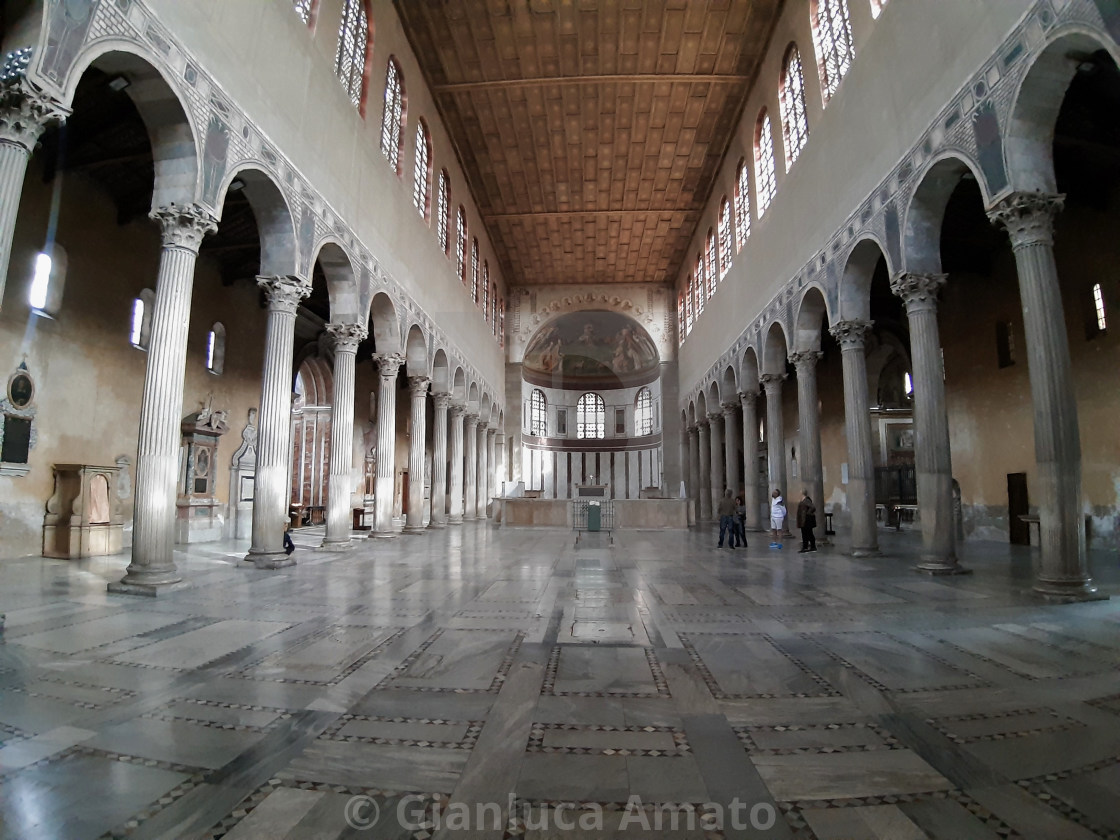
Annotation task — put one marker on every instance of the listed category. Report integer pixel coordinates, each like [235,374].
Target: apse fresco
[590,347]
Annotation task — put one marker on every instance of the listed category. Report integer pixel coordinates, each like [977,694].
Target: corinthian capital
[772,382]
[850,334]
[283,293]
[347,337]
[25,111]
[1028,218]
[441,400]
[918,291]
[418,386]
[184,225]
[729,408]
[470,419]
[388,364]
[805,361]
[748,397]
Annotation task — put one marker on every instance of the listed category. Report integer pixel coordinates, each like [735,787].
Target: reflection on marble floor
[480,683]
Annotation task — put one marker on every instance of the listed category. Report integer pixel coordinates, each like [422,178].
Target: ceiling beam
[544,214]
[619,78]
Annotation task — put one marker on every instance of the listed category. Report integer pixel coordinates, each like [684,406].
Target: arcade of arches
[317,316]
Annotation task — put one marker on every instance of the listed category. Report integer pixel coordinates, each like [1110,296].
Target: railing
[583,519]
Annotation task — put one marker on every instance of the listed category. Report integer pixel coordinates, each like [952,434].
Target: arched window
[538,414]
[591,417]
[765,176]
[422,172]
[216,349]
[443,211]
[502,323]
[461,244]
[710,268]
[305,9]
[1100,317]
[680,318]
[689,294]
[140,327]
[392,118]
[494,305]
[700,287]
[474,270]
[877,7]
[724,238]
[795,127]
[643,413]
[832,37]
[742,206]
[486,292]
[353,51]
[47,281]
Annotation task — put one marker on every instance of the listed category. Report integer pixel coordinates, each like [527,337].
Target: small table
[360,519]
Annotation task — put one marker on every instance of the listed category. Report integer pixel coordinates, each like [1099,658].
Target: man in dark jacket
[807,521]
[726,515]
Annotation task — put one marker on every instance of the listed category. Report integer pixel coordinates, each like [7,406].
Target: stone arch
[416,352]
[1029,147]
[690,414]
[855,284]
[748,370]
[472,398]
[174,141]
[275,225]
[713,397]
[701,407]
[728,387]
[484,410]
[921,237]
[775,349]
[812,313]
[441,381]
[341,285]
[385,325]
[459,385]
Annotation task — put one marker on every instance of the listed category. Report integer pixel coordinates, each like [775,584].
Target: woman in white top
[777,518]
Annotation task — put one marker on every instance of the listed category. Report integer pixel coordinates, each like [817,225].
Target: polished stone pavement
[807,696]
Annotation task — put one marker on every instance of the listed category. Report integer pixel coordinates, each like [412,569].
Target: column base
[1069,592]
[437,524]
[336,545]
[455,519]
[149,589]
[269,560]
[938,566]
[383,535]
[414,530]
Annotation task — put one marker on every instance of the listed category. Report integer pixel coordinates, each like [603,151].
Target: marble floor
[475,682]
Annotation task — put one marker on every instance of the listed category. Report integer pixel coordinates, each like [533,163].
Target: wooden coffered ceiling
[590,130]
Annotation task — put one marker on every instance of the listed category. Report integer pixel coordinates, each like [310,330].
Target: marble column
[500,464]
[346,337]
[932,456]
[694,470]
[439,461]
[1062,571]
[809,419]
[775,437]
[685,467]
[715,441]
[470,467]
[417,447]
[271,492]
[491,464]
[705,472]
[731,449]
[455,506]
[749,401]
[857,428]
[481,480]
[161,406]
[385,488]
[24,112]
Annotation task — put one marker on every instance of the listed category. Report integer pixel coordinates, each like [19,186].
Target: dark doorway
[404,493]
[1018,506]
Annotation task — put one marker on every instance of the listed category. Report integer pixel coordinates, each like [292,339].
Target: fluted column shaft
[417,447]
[438,518]
[751,503]
[500,464]
[1063,568]
[470,467]
[694,469]
[685,467]
[161,407]
[715,436]
[481,480]
[705,472]
[857,429]
[346,338]
[809,419]
[932,455]
[491,463]
[775,435]
[24,113]
[387,366]
[271,493]
[456,506]
[730,442]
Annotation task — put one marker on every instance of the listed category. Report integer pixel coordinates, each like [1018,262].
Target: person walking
[777,518]
[740,521]
[807,521]
[726,514]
